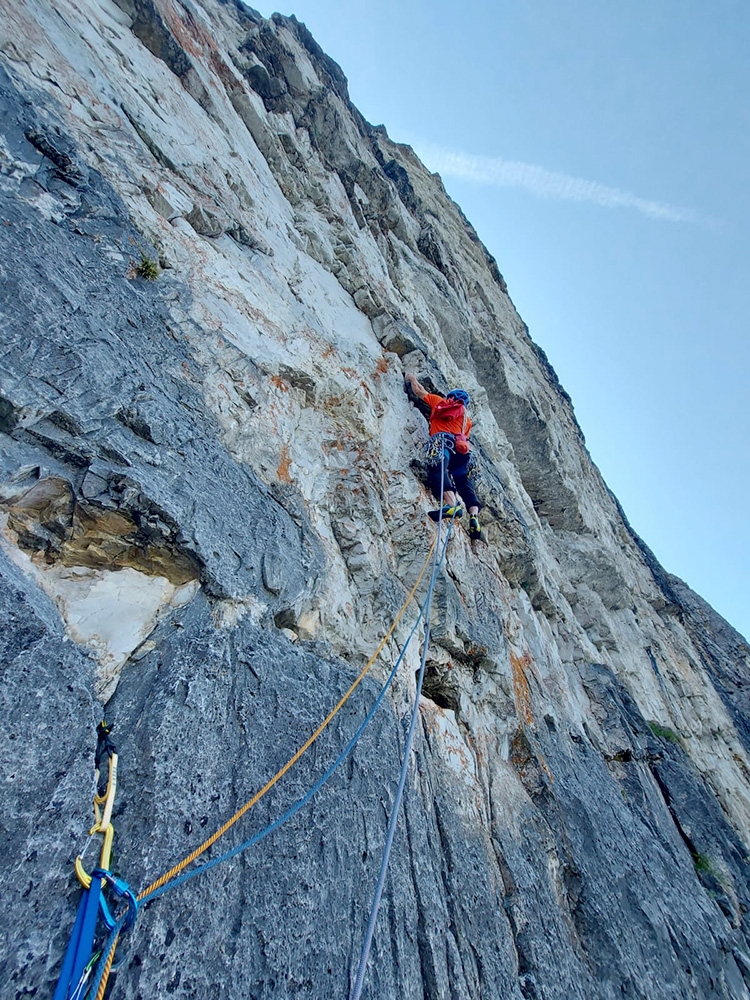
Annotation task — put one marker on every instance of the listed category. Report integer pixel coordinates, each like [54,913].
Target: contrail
[546,183]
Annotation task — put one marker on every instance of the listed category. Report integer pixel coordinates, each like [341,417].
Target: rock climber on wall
[450,426]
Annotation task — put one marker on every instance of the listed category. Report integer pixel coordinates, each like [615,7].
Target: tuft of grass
[147,268]
[704,867]
[664,732]
[702,863]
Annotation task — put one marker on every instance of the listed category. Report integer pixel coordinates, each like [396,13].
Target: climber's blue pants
[460,472]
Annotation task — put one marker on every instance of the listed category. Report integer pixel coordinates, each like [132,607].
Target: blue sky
[601,150]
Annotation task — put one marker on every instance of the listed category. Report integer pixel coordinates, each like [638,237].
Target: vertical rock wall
[214,275]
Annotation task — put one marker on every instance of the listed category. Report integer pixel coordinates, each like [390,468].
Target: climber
[449,441]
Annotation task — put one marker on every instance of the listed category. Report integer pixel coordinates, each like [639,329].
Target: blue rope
[106,948]
[262,834]
[424,610]
[375,907]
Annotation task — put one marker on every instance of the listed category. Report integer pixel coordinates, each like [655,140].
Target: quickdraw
[88,962]
[81,955]
[103,817]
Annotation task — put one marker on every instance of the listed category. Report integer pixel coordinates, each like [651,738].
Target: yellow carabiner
[108,799]
[103,824]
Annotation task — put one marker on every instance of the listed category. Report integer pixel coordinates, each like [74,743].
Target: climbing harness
[436,448]
[85,971]
[375,906]
[439,448]
[81,956]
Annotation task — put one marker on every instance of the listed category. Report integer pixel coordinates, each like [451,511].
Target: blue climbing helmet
[461,395]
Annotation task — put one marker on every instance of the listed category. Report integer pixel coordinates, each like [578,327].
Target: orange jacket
[452,423]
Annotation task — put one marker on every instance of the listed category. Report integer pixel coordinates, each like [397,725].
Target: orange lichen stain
[186,34]
[476,652]
[282,472]
[543,763]
[521,691]
[224,73]
[430,711]
[453,744]
[349,372]
[381,367]
[328,351]
[477,750]
[280,383]
[459,750]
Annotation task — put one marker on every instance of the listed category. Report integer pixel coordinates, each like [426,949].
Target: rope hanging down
[103,959]
[375,907]
[148,895]
[296,756]
[300,803]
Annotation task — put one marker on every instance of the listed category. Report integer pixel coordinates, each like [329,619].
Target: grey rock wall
[214,276]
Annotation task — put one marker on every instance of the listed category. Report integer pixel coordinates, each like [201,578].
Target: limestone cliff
[214,276]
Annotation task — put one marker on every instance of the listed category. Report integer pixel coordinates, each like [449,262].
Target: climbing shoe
[447,513]
[475,532]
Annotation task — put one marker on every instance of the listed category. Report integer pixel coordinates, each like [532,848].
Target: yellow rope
[107,968]
[292,760]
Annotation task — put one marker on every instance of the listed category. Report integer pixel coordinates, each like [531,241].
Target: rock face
[214,276]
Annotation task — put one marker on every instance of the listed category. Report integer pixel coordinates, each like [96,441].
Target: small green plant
[664,732]
[148,268]
[704,866]
[702,863]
